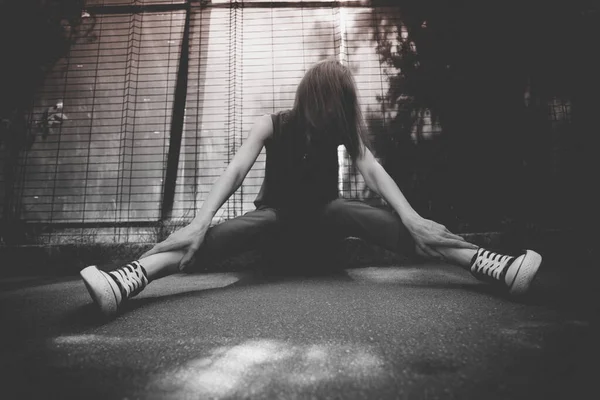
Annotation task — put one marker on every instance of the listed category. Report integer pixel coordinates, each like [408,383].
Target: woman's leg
[456,256]
[161,264]
[109,289]
[227,239]
[388,224]
[344,218]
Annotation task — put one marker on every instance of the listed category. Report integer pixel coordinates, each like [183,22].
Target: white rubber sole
[525,273]
[100,289]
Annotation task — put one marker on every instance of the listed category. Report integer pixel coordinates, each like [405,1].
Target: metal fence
[129,130]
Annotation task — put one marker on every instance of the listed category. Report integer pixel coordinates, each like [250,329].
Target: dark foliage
[471,64]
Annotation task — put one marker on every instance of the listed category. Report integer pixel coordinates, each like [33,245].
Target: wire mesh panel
[130,2]
[105,161]
[372,79]
[238,71]
[275,60]
[204,152]
[103,120]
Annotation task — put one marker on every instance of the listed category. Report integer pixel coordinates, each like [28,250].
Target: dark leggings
[304,233]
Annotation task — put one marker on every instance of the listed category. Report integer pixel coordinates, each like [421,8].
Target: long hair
[327,104]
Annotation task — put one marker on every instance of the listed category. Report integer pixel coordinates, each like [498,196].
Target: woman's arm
[378,180]
[191,236]
[236,171]
[427,234]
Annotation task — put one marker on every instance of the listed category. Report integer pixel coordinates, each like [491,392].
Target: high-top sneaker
[110,289]
[515,273]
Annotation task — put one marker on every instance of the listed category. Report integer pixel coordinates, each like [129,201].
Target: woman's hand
[188,239]
[429,236]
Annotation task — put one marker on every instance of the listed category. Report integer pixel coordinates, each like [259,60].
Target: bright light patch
[255,365]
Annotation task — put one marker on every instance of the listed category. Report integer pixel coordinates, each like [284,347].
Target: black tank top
[300,174]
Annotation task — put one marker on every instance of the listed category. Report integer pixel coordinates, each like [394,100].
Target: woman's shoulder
[283,116]
[281,119]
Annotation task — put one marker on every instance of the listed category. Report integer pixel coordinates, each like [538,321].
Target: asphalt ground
[415,331]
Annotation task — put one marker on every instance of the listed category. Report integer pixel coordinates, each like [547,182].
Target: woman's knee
[336,211]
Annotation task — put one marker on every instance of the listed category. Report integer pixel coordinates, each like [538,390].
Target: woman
[299,200]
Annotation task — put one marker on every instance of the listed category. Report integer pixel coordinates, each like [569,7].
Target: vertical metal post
[177,120]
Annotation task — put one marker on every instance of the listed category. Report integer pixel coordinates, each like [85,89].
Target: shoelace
[131,278]
[490,264]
